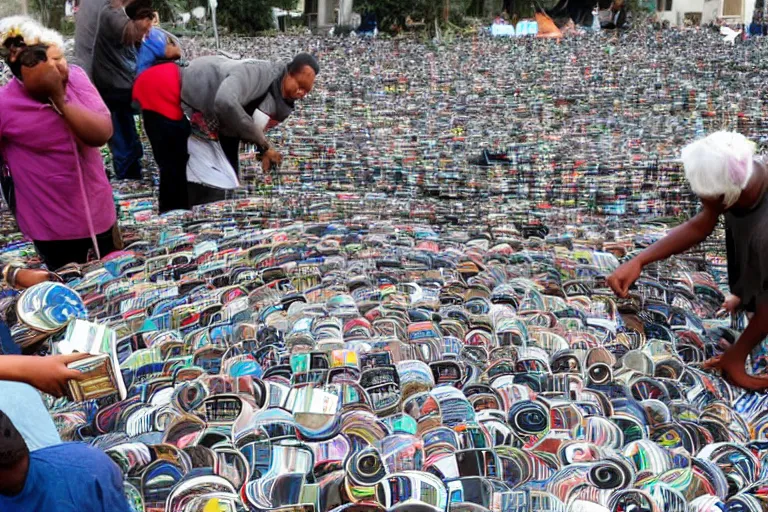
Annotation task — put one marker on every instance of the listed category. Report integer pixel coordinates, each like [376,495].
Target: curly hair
[21,30]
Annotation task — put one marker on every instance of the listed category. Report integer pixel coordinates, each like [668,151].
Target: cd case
[100,379]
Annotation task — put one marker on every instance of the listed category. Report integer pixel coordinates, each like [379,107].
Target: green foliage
[50,12]
[391,14]
[641,6]
[245,16]
[287,5]
[68,26]
[250,16]
[170,9]
[238,16]
[486,9]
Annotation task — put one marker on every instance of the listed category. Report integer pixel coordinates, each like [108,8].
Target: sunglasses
[27,56]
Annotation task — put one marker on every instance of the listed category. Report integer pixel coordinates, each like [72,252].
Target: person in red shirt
[157,90]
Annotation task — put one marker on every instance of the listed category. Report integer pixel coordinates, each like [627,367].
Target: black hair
[25,55]
[13,449]
[301,61]
[139,9]
[144,14]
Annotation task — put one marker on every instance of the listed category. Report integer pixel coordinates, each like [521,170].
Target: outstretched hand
[624,277]
[50,374]
[271,157]
[732,368]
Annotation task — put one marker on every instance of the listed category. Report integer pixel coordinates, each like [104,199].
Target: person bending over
[731,181]
[229,101]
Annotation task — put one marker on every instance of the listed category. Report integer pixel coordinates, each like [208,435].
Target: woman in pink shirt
[52,123]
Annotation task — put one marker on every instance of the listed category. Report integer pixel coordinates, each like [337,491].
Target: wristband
[12,274]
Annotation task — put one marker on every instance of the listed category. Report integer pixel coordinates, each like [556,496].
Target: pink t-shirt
[37,146]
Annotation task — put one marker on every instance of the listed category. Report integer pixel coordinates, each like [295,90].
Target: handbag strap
[84,195]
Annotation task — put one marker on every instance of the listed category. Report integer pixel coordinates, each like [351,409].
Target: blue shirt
[152,50]
[25,408]
[70,477]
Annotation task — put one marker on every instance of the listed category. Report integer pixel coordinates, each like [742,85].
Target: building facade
[702,12]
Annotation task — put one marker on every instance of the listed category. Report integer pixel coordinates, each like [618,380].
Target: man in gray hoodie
[233,101]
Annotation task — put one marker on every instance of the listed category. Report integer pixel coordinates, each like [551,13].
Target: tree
[250,16]
[393,13]
[50,11]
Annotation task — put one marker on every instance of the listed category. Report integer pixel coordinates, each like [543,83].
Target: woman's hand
[43,82]
[731,303]
[49,374]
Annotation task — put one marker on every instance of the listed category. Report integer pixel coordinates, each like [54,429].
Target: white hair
[33,32]
[719,165]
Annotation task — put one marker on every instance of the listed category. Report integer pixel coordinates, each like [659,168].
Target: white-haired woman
[52,123]
[730,180]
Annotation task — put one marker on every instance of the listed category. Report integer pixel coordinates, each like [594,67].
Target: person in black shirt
[730,181]
[122,26]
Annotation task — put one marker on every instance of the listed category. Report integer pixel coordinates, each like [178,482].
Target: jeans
[7,345]
[125,144]
[169,145]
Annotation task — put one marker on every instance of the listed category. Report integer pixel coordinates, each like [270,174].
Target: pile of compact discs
[412,315]
[247,362]
[593,122]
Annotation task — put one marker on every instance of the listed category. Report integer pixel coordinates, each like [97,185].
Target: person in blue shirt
[158,46]
[69,477]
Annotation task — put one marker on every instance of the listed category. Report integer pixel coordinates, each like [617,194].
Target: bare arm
[135,30]
[756,331]
[678,240]
[48,374]
[732,361]
[684,236]
[92,128]
[115,24]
